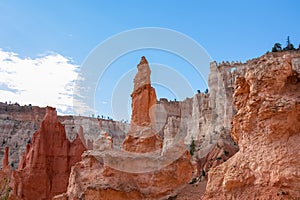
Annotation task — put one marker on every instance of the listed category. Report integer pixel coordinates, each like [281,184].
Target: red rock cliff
[267,129]
[45,166]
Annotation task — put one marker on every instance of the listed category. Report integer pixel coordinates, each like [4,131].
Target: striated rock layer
[45,166]
[17,125]
[267,130]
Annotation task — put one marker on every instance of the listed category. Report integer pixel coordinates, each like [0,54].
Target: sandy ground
[192,191]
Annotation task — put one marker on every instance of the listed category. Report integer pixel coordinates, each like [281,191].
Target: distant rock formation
[142,136]
[267,130]
[19,123]
[45,166]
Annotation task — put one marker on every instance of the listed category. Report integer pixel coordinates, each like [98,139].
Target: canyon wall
[18,123]
[205,119]
[267,130]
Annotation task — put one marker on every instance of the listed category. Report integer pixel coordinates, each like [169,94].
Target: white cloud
[46,80]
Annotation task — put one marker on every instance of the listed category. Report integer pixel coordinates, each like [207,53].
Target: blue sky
[69,30]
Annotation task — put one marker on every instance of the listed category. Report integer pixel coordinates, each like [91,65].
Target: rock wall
[267,130]
[92,128]
[18,123]
[205,118]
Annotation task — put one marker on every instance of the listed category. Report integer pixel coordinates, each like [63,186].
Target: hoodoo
[142,136]
[46,165]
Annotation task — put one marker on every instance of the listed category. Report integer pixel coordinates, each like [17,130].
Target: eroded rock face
[90,129]
[267,129]
[142,136]
[91,179]
[104,142]
[215,155]
[45,166]
[205,118]
[17,125]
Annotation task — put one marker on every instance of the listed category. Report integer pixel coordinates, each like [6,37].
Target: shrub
[192,147]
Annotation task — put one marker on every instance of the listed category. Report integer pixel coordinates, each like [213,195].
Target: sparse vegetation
[194,180]
[192,147]
[276,47]
[226,153]
[289,46]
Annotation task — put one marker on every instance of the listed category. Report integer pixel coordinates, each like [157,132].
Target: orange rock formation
[142,136]
[45,166]
[267,129]
[143,96]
